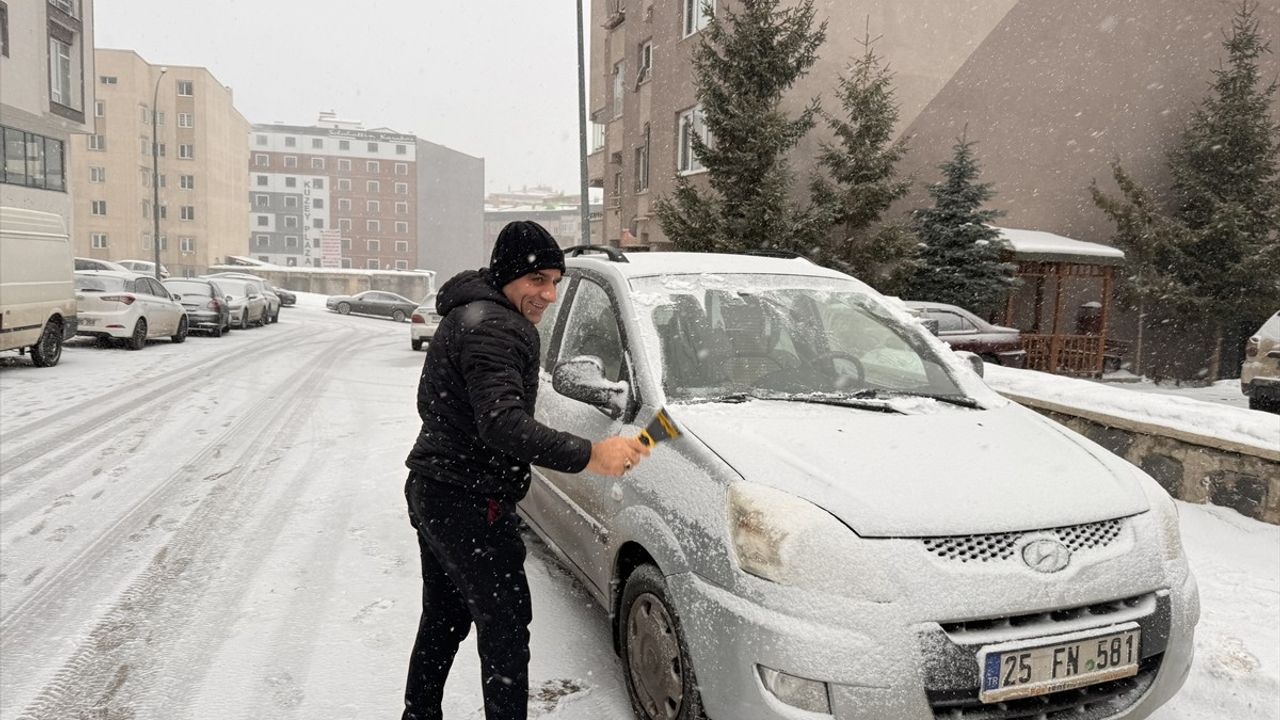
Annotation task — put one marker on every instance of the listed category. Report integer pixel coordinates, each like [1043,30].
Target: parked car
[963,330]
[37,300]
[205,303]
[126,306]
[247,304]
[423,322]
[1260,373]
[287,298]
[373,302]
[84,263]
[144,267]
[272,300]
[850,524]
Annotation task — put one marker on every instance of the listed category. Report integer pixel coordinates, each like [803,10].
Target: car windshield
[232,287]
[730,337]
[185,287]
[99,283]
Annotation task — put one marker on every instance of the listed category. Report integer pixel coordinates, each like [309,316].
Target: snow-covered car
[1260,373]
[963,330]
[247,304]
[205,303]
[84,263]
[423,322]
[287,298]
[114,305]
[850,524]
[144,267]
[373,302]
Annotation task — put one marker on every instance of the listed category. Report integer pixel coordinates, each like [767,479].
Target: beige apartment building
[46,94]
[203,187]
[1050,90]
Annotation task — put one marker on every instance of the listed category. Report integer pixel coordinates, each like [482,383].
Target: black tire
[138,339]
[244,319]
[103,341]
[48,349]
[397,315]
[263,318]
[652,644]
[183,329]
[276,317]
[344,308]
[416,343]
[216,332]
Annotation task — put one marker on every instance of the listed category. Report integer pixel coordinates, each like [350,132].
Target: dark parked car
[373,302]
[286,298]
[206,304]
[963,330]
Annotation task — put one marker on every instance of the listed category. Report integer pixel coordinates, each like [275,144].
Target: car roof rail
[614,254]
[775,253]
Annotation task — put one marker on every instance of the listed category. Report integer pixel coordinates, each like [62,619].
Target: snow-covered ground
[216,530]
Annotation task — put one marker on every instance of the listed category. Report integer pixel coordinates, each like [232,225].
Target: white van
[37,298]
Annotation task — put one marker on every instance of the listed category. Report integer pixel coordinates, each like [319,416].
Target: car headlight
[1164,512]
[780,537]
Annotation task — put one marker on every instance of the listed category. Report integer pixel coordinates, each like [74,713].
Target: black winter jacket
[476,397]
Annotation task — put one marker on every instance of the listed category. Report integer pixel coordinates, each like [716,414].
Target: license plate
[88,321]
[1010,671]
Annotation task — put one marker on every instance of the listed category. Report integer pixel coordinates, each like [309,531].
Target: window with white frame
[402,208]
[317,163]
[164,242]
[99,108]
[344,164]
[402,188]
[291,182]
[261,160]
[291,201]
[373,225]
[98,240]
[291,241]
[188,212]
[291,221]
[344,183]
[402,246]
[345,263]
[373,206]
[373,245]
[642,161]
[62,80]
[186,120]
[260,200]
[186,88]
[146,209]
[372,166]
[344,203]
[98,174]
[317,143]
[264,221]
[186,152]
[344,223]
[344,144]
[371,264]
[186,245]
[291,161]
[346,244]
[99,207]
[645,69]
[402,264]
[144,147]
[690,125]
[373,186]
[160,118]
[263,240]
[402,150]
[373,147]
[187,182]
[402,168]
[696,14]
[108,79]
[97,142]
[261,180]
[402,227]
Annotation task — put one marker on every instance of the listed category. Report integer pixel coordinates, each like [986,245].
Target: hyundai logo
[1046,556]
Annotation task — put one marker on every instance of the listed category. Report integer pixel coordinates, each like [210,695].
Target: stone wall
[413,285]
[1195,468]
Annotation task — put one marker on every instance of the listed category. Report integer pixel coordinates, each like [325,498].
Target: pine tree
[862,165]
[960,252]
[744,63]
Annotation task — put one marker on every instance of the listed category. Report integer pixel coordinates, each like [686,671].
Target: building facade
[1034,81]
[560,214]
[338,195]
[46,99]
[199,166]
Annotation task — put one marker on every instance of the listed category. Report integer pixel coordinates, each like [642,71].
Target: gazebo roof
[1039,246]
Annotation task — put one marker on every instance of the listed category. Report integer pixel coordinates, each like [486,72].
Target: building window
[186,120]
[99,207]
[264,221]
[146,209]
[344,203]
[615,198]
[373,206]
[97,142]
[32,160]
[188,212]
[645,65]
[642,162]
[317,163]
[373,186]
[291,201]
[317,143]
[261,160]
[373,147]
[160,118]
[402,264]
[689,126]
[290,141]
[260,139]
[187,182]
[346,244]
[317,223]
[291,241]
[344,144]
[100,108]
[98,240]
[373,245]
[291,182]
[164,241]
[344,224]
[186,245]
[108,79]
[260,200]
[696,16]
[291,161]
[345,262]
[402,150]
[318,183]
[317,203]
[262,180]
[185,88]
[291,221]
[371,264]
[402,168]
[402,227]
[372,166]
[402,208]
[373,226]
[402,246]
[62,89]
[402,188]
[263,240]
[186,152]
[344,183]
[144,146]
[344,165]
[162,182]
[99,174]
[619,86]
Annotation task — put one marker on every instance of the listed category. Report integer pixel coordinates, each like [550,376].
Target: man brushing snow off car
[470,466]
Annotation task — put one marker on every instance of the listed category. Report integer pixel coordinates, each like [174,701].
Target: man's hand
[613,456]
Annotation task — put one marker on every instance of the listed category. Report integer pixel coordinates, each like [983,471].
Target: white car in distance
[114,305]
[248,304]
[423,322]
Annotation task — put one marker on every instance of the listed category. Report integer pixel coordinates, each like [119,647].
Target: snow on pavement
[217,530]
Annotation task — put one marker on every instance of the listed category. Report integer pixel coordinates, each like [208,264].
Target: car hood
[940,470]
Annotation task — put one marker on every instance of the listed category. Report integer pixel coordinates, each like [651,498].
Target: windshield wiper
[960,400]
[845,401]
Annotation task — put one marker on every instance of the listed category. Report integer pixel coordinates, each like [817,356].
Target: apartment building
[46,97]
[202,187]
[1051,92]
[559,213]
[338,195]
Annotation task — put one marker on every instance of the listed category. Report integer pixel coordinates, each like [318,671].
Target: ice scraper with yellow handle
[659,429]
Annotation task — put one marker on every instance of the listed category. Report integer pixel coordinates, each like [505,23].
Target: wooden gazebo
[1070,271]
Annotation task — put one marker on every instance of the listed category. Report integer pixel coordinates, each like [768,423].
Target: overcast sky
[491,78]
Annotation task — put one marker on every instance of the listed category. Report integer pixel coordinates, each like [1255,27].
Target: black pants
[472,571]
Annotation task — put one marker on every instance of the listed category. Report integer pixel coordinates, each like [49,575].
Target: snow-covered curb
[1195,421]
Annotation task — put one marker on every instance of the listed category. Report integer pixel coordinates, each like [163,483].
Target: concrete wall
[450,210]
[414,286]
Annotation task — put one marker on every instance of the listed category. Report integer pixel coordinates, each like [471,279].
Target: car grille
[1001,546]
[1110,611]
[1092,702]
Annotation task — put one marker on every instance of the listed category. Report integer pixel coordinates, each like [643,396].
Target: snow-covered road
[216,530]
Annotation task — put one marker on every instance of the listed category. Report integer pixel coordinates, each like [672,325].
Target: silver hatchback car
[850,524]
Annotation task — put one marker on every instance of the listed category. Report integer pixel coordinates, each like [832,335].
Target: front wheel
[181,335]
[397,315]
[48,349]
[416,343]
[659,674]
[344,308]
[216,332]
[138,339]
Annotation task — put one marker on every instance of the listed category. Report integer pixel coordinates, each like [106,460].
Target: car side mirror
[582,378]
[975,362]
[228,298]
[175,296]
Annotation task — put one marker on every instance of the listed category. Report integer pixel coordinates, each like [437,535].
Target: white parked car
[144,267]
[423,322]
[115,305]
[84,263]
[248,304]
[852,525]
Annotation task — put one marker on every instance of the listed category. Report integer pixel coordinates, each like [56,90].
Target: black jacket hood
[466,287]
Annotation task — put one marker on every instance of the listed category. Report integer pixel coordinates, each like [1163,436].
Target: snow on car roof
[649,264]
[1040,245]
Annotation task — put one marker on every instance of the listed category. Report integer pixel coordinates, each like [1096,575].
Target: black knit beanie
[523,247]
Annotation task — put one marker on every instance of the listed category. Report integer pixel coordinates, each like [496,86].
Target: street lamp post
[155,174]
[585,210]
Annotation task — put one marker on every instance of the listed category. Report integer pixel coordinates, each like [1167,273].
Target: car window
[547,326]
[99,283]
[143,285]
[951,322]
[187,287]
[592,329]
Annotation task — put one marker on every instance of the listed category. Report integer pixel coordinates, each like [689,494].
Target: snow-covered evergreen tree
[744,63]
[960,254]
